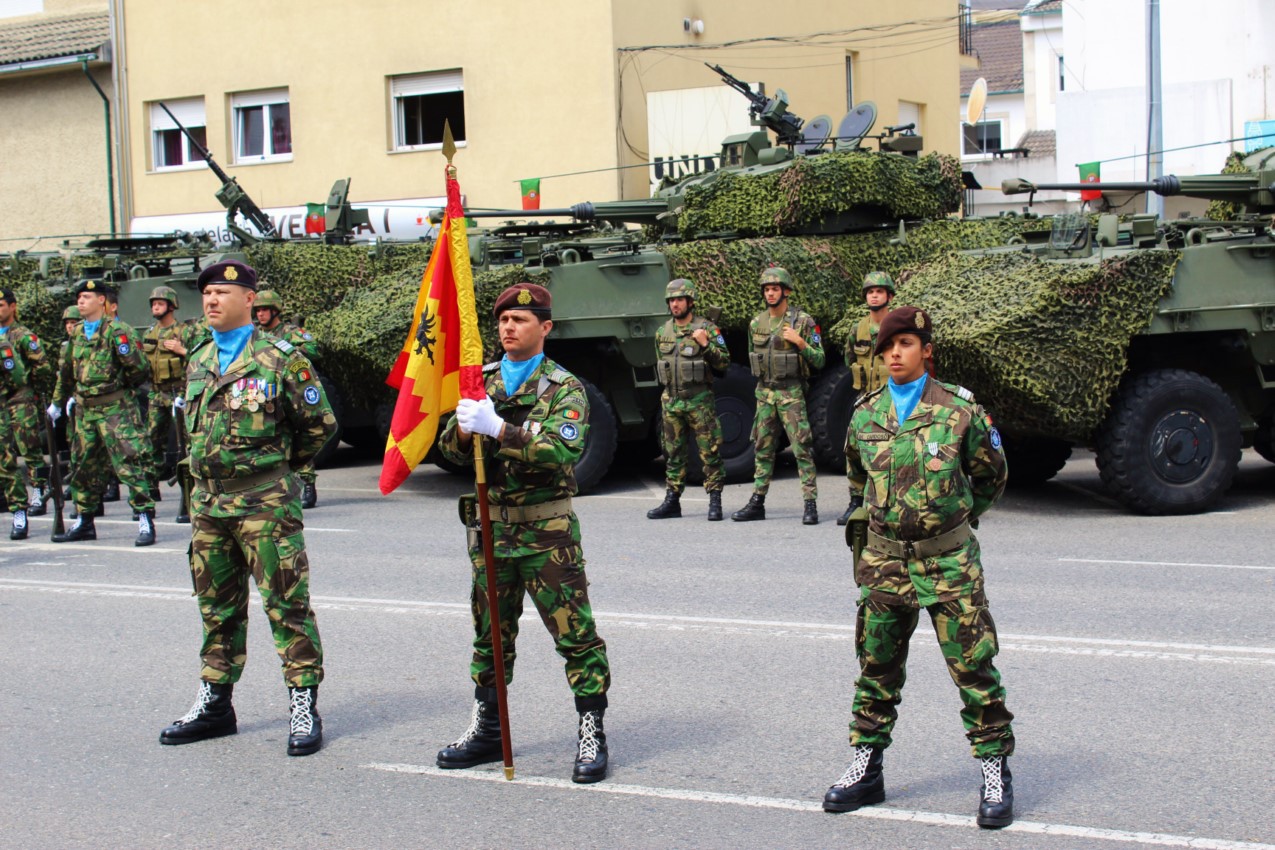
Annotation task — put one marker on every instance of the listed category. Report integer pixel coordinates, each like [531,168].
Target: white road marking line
[164,524]
[1167,564]
[869,812]
[1043,644]
[101,547]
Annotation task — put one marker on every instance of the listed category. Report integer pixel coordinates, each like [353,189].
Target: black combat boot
[715,506]
[156,496]
[211,716]
[845,517]
[996,806]
[19,531]
[145,528]
[82,530]
[39,502]
[591,754]
[112,492]
[480,743]
[755,509]
[309,495]
[811,515]
[671,506]
[305,729]
[861,785]
[182,518]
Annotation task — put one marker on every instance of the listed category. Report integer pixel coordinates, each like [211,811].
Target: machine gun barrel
[638,211]
[1243,188]
[231,194]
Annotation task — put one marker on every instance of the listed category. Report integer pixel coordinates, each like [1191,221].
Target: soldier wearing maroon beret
[533,422]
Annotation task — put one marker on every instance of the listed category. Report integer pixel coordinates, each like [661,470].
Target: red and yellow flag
[442,359]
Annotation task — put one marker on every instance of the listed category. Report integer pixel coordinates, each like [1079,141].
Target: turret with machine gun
[769,112]
[231,194]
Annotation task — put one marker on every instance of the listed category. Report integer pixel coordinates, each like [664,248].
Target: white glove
[70,406]
[479,417]
[179,404]
[54,412]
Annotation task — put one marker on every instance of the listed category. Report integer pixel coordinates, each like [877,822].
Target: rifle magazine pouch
[467,507]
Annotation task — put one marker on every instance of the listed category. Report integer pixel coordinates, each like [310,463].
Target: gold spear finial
[449,144]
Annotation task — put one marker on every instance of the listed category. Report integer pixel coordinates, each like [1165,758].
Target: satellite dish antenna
[815,134]
[857,124]
[977,102]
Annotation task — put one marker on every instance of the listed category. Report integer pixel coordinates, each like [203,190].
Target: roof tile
[999,48]
[50,36]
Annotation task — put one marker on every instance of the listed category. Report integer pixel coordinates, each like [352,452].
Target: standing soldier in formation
[70,318]
[533,434]
[105,365]
[690,348]
[926,462]
[867,368]
[165,344]
[783,348]
[255,414]
[13,378]
[268,314]
[22,409]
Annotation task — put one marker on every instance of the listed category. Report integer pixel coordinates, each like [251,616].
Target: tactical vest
[774,360]
[681,367]
[167,368]
[868,370]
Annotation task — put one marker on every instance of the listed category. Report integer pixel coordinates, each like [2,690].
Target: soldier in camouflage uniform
[70,319]
[268,314]
[867,368]
[784,346]
[533,433]
[165,343]
[926,463]
[254,415]
[22,409]
[13,378]
[689,349]
[105,365]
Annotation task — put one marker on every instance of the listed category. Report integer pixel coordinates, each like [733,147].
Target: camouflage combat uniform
[685,368]
[868,371]
[13,378]
[168,382]
[102,374]
[249,430]
[531,470]
[22,409]
[304,342]
[781,371]
[927,477]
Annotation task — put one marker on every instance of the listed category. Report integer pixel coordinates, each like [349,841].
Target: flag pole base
[509,773]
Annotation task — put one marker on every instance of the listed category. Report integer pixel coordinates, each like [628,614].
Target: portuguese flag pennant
[1090,172]
[531,194]
[316,218]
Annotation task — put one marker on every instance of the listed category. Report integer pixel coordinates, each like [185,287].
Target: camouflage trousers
[560,591]
[782,410]
[967,639]
[159,423]
[23,432]
[698,416]
[13,488]
[115,432]
[270,547]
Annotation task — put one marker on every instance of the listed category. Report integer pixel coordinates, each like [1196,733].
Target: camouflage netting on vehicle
[1041,344]
[1229,210]
[816,188]
[39,308]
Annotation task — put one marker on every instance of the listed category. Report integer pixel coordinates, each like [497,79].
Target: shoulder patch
[284,346]
[560,376]
[961,392]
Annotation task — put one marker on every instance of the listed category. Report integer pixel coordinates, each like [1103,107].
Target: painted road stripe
[162,524]
[869,812]
[1042,644]
[1167,564]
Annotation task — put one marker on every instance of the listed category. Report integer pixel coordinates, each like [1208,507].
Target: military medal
[236,395]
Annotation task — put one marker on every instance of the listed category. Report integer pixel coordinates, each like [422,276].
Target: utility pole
[1155,112]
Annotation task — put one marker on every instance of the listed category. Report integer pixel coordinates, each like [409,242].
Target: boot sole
[839,808]
[76,539]
[306,750]
[994,823]
[588,779]
[458,765]
[216,733]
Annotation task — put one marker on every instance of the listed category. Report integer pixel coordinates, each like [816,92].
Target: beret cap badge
[230,273]
[524,297]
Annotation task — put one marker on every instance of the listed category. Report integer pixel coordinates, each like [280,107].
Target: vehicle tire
[338,408]
[829,406]
[1170,444]
[599,445]
[1034,460]
[1264,440]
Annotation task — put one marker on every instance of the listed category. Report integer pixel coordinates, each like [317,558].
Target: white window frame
[415,85]
[266,100]
[999,122]
[191,113]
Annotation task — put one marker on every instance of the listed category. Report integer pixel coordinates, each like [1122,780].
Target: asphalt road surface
[1138,653]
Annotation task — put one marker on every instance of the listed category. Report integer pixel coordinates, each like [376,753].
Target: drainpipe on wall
[110,160]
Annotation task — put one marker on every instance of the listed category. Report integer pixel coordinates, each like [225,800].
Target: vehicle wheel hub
[1181,446]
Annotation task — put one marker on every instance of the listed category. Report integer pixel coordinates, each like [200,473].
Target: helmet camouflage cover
[880,279]
[778,275]
[680,288]
[165,293]
[268,298]
[71,314]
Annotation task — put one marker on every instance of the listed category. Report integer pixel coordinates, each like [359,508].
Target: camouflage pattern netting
[1041,344]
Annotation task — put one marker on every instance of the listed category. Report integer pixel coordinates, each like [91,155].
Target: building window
[1062,75]
[910,112]
[981,138]
[263,126]
[849,83]
[422,102]
[170,149]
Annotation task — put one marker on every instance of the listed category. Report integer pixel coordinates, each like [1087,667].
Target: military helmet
[776,274]
[165,293]
[680,288]
[268,298]
[71,314]
[880,279]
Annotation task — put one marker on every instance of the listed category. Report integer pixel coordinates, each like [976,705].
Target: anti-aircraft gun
[1152,342]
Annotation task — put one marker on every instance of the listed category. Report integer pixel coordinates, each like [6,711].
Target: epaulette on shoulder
[961,392]
[491,367]
[560,376]
[284,346]
[201,345]
[868,398]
